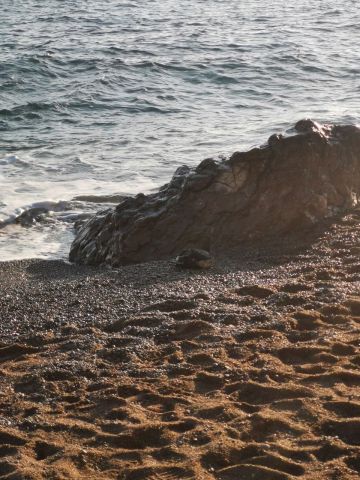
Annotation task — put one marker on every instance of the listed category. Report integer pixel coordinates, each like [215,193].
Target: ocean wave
[62,211]
[45,212]
[13,160]
[29,108]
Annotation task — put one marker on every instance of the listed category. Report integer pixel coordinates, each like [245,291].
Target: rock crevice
[290,183]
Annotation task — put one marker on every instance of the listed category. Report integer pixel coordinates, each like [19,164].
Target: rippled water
[104,97]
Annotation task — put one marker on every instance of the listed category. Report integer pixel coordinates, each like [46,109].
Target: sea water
[100,98]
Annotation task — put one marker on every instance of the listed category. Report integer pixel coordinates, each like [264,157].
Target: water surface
[110,97]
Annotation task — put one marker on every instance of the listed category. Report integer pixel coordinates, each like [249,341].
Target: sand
[247,371]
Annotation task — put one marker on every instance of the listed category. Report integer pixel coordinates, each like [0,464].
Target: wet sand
[247,371]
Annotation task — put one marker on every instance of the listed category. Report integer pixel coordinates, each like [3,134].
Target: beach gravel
[247,370]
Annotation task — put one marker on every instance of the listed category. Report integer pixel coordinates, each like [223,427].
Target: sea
[107,98]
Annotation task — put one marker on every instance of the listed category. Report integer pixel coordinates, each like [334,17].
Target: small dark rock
[306,125]
[194,258]
[31,216]
[275,139]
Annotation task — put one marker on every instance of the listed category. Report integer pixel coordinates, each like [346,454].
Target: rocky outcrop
[290,183]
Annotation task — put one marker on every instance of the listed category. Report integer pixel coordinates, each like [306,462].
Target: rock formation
[290,183]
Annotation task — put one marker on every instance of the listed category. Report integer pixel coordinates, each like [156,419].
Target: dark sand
[148,372]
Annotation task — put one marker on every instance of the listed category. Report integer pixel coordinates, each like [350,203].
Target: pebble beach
[246,370]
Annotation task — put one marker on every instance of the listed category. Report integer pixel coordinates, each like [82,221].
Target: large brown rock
[289,183]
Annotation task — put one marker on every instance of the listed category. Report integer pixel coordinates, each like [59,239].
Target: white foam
[17,243]
[22,191]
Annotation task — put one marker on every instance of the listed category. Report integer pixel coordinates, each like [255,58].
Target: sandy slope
[249,371]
